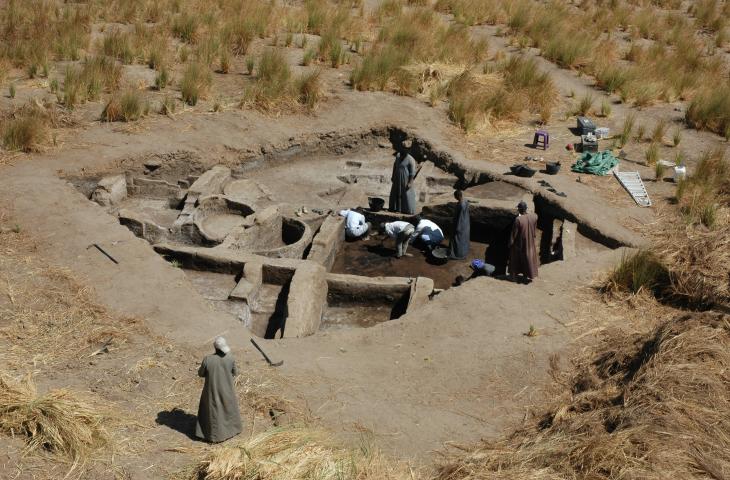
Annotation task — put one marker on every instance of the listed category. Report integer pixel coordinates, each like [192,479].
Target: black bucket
[526,171]
[376,204]
[440,255]
[552,168]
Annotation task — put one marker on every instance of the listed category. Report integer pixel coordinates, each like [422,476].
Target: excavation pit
[262,242]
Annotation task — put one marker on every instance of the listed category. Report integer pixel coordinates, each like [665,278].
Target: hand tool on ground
[102,251]
[266,357]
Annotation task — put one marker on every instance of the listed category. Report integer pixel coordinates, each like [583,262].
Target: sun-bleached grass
[27,129]
[710,110]
[276,90]
[58,421]
[195,83]
[636,272]
[613,419]
[127,107]
[296,452]
[412,37]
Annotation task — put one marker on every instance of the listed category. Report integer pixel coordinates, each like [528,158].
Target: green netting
[599,163]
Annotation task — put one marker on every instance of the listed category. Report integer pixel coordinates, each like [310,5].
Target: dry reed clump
[276,90]
[34,32]
[58,421]
[643,406]
[28,128]
[710,110]
[97,74]
[126,107]
[417,36]
[295,452]
[704,197]
[514,86]
[195,83]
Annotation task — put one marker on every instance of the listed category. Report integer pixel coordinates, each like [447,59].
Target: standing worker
[402,232]
[459,241]
[522,252]
[402,192]
[218,416]
[355,224]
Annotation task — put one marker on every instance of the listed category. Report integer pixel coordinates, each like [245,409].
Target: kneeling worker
[402,232]
[428,233]
[355,224]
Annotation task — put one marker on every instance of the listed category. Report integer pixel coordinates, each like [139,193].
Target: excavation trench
[261,239]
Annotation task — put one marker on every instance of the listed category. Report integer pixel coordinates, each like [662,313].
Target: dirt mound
[650,406]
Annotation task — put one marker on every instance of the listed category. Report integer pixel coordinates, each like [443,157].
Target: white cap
[221,345]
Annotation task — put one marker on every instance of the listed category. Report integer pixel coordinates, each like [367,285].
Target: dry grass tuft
[637,272]
[27,129]
[195,83]
[58,421]
[295,452]
[126,107]
[710,110]
[646,406]
[276,90]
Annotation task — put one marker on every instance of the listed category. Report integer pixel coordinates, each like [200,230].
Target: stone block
[143,227]
[110,190]
[306,301]
[421,290]
[328,241]
[211,182]
[249,286]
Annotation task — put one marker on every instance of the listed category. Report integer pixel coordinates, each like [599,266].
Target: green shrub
[26,131]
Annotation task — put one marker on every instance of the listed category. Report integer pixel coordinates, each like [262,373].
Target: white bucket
[602,132]
[680,173]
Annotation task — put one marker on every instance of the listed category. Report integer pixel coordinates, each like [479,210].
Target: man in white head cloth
[355,224]
[218,416]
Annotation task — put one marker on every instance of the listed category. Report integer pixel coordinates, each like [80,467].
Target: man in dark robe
[459,241]
[402,192]
[522,251]
[218,416]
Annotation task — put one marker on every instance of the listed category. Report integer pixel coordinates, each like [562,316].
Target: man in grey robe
[522,250]
[459,241]
[218,416]
[402,192]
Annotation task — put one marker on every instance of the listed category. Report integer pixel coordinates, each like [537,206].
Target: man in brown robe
[522,251]
[218,416]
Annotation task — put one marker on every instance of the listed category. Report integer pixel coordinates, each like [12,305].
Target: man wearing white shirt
[401,232]
[428,232]
[355,224]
